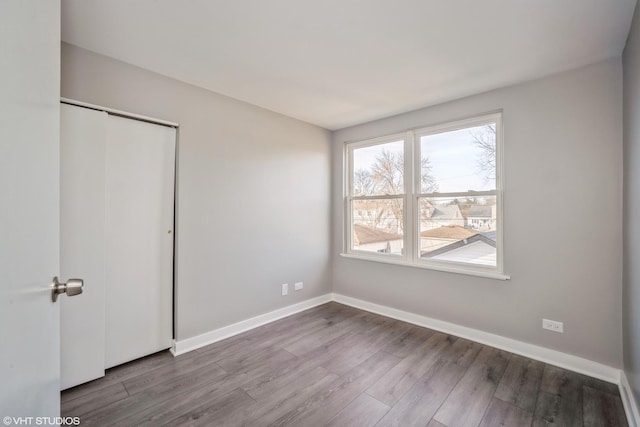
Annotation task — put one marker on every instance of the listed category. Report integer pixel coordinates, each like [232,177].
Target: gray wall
[562,228]
[253,204]
[631,286]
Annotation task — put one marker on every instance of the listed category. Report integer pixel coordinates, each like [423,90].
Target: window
[429,197]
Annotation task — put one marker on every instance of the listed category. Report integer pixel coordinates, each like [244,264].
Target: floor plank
[119,374]
[560,398]
[602,409]
[326,335]
[362,346]
[242,361]
[501,413]
[405,344]
[600,385]
[323,406]
[266,411]
[182,365]
[420,403]
[364,411]
[288,377]
[521,382]
[395,383]
[168,393]
[87,402]
[475,390]
[216,412]
[182,401]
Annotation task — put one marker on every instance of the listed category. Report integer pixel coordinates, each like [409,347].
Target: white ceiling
[336,63]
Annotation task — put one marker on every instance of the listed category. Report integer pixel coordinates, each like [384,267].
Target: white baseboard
[552,357]
[189,344]
[629,402]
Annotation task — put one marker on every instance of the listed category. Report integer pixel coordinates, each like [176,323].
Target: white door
[139,238]
[29,207]
[117,193]
[83,134]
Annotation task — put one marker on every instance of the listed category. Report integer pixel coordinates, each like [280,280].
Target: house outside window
[429,197]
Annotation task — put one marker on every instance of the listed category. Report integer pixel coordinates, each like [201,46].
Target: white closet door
[140,160]
[82,221]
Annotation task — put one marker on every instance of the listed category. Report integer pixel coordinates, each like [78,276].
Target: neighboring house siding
[482,218]
[376,216]
[389,246]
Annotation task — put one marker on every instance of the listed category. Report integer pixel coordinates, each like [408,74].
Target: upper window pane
[378,170]
[458,161]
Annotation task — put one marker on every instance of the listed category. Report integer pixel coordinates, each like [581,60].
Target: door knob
[71,288]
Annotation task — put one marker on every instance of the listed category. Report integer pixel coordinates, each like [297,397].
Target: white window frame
[412,187]
[349,147]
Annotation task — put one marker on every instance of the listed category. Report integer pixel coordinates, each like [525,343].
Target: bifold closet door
[139,199]
[83,135]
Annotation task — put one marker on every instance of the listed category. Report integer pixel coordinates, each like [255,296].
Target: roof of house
[449,232]
[460,243]
[364,235]
[441,212]
[477,252]
[493,235]
[480,211]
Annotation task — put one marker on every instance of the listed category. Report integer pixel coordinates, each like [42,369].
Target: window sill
[448,269]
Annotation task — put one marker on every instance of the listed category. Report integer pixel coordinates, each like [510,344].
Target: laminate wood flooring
[335,365]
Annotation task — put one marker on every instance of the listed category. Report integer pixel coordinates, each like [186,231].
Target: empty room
[320,213]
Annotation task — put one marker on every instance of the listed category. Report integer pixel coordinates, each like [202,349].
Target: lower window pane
[377,226]
[461,230]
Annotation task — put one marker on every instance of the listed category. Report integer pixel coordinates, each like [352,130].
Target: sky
[453,157]
[454,160]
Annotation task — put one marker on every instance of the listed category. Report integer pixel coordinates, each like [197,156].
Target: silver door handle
[71,288]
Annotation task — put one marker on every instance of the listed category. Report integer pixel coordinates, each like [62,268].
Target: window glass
[377,226]
[447,215]
[378,170]
[462,160]
[461,229]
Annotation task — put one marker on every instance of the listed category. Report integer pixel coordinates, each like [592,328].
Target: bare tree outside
[428,181]
[485,140]
[429,185]
[386,177]
[363,183]
[388,173]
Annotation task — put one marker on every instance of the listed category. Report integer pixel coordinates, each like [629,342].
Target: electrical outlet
[298,286]
[552,325]
[285,289]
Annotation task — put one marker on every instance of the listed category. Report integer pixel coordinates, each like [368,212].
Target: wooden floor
[339,366]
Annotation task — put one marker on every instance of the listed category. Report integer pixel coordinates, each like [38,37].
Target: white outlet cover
[552,325]
[285,289]
[298,286]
